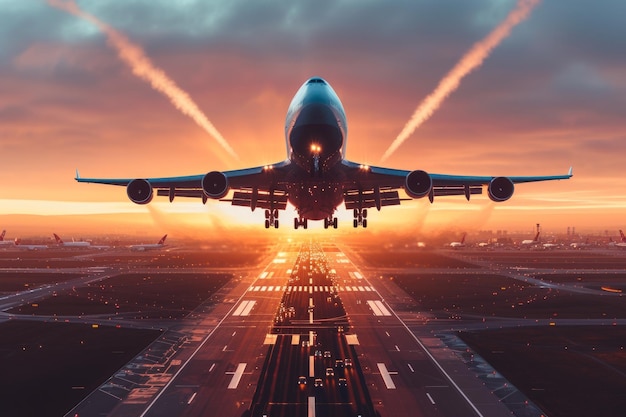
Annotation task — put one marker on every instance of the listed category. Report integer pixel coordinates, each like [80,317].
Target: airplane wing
[261,186]
[372,186]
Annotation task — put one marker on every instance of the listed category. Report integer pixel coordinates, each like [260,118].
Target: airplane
[60,242]
[149,246]
[580,245]
[534,241]
[18,243]
[80,244]
[5,242]
[316,178]
[460,244]
[622,243]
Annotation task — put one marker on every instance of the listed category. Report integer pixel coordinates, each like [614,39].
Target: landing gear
[331,221]
[297,222]
[271,218]
[360,218]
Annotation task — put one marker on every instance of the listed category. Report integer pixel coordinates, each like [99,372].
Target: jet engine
[139,191]
[500,189]
[215,185]
[418,184]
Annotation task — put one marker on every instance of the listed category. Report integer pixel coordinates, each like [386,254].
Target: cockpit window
[316,81]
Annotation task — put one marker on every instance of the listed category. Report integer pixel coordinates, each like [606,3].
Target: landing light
[315,148]
[364,167]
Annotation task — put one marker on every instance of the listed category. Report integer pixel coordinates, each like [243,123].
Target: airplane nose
[316,130]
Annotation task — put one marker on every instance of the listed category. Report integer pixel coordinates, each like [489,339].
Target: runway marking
[315,288]
[410,367]
[225,347]
[295,339]
[430,398]
[348,289]
[192,398]
[387,333]
[271,288]
[368,289]
[244,308]
[355,288]
[234,333]
[239,309]
[361,289]
[288,271]
[279,261]
[237,376]
[311,366]
[270,339]
[397,348]
[386,376]
[263,275]
[212,367]
[351,274]
[271,274]
[352,339]
[311,407]
[300,288]
[358,275]
[374,308]
[310,288]
[246,311]
[382,308]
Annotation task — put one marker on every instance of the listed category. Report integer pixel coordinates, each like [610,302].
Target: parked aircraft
[18,243]
[622,242]
[5,242]
[460,244]
[534,241]
[316,178]
[149,246]
[80,244]
[77,244]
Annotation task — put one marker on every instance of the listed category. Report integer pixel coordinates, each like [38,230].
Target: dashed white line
[430,398]
[410,367]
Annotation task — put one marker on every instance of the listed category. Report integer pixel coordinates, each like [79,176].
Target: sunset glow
[550,96]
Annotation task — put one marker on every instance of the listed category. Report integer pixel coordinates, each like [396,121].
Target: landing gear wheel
[275,213]
[276,224]
[364,213]
[267,214]
[267,224]
[355,223]
[335,223]
[305,223]
[296,223]
[364,223]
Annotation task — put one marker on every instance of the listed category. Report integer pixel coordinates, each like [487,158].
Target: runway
[301,314]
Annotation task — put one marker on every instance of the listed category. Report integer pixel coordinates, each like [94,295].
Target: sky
[551,95]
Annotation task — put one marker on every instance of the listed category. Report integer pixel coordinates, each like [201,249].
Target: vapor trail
[142,67]
[470,61]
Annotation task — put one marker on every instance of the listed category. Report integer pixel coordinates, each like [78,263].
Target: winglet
[77,175]
[570,173]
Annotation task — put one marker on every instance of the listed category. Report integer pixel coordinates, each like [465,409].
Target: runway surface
[305,334]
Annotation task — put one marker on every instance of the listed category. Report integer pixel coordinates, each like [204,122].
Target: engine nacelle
[215,185]
[500,189]
[418,184]
[139,191]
